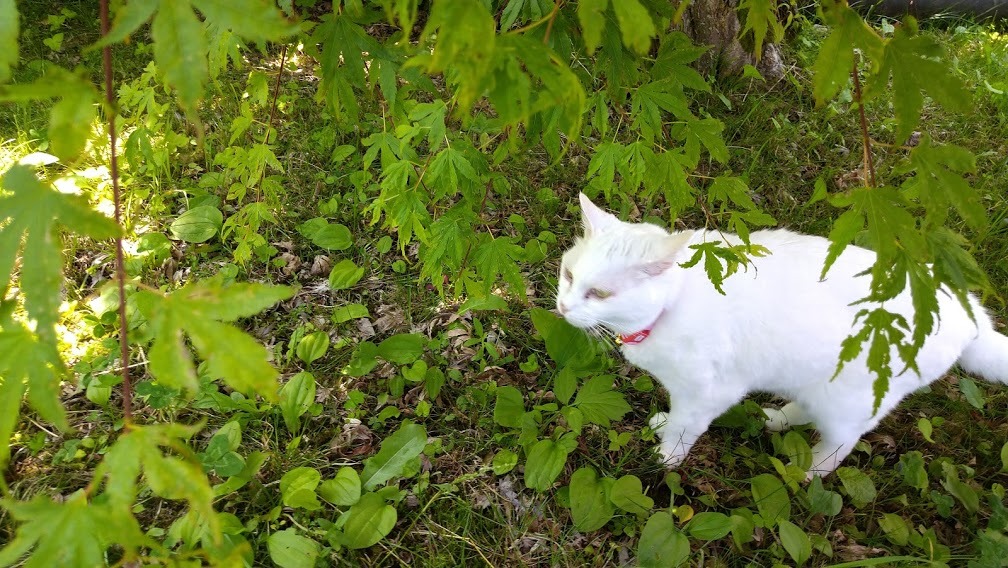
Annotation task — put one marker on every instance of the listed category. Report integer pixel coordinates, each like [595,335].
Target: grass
[456,512]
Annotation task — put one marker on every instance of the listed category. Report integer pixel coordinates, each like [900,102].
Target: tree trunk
[715,23]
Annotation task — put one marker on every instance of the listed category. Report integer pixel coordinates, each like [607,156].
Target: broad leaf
[599,403]
[833,66]
[591,16]
[860,488]
[345,274]
[795,541]
[369,520]
[325,235]
[296,396]
[402,348]
[709,525]
[771,498]
[344,489]
[180,50]
[395,453]
[9,31]
[543,464]
[197,225]
[509,407]
[251,19]
[635,23]
[591,508]
[297,488]
[288,549]
[661,544]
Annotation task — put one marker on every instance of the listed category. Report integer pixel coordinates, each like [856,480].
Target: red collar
[639,336]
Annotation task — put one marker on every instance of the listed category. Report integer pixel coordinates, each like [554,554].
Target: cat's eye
[598,293]
[567,275]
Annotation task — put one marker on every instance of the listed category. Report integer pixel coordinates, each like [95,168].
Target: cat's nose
[561,307]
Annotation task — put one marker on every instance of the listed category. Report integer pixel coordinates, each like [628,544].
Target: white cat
[778,329]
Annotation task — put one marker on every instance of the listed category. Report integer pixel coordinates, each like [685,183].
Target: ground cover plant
[340,225]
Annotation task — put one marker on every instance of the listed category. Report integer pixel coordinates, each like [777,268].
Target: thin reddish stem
[869,164]
[110,109]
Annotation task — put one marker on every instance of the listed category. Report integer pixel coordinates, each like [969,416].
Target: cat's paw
[776,420]
[670,457]
[658,422]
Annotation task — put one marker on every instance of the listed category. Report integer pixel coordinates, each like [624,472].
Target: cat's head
[615,275]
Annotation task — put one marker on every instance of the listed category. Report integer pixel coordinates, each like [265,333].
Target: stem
[549,26]
[110,108]
[276,93]
[869,165]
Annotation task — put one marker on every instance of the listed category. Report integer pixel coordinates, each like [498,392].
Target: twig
[127,387]
[273,106]
[869,165]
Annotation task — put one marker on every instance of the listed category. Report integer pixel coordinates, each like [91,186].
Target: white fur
[777,329]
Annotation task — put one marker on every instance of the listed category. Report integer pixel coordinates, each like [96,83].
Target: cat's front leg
[687,420]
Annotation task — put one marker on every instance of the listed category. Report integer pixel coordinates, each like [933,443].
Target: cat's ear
[595,219]
[671,255]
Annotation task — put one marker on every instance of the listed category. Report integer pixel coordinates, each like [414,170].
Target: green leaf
[917,64]
[29,213]
[661,544]
[795,541]
[402,348]
[974,394]
[566,344]
[9,32]
[295,397]
[345,274]
[297,488]
[288,549]
[823,501]
[591,16]
[180,50]
[197,225]
[627,493]
[71,120]
[914,473]
[939,184]
[708,133]
[253,463]
[590,507]
[195,310]
[635,23]
[926,428]
[26,364]
[509,407]
[860,488]
[961,491]
[771,498]
[504,461]
[129,17]
[544,462]
[325,235]
[1004,457]
[369,520]
[709,525]
[349,312]
[344,489]
[395,453]
[833,66]
[363,360]
[497,257]
[599,403]
[256,20]
[761,17]
[466,44]
[844,229]
[312,346]
[895,528]
[73,532]
[564,384]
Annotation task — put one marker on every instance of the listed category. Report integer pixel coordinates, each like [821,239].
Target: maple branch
[110,108]
[869,165]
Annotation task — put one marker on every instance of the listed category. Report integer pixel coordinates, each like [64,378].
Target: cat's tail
[987,356]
